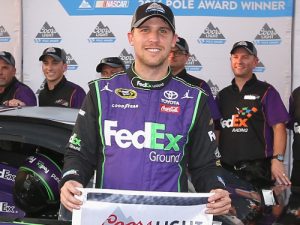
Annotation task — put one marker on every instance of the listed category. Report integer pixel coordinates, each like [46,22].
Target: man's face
[242,63]
[152,42]
[107,70]
[53,69]
[7,73]
[178,58]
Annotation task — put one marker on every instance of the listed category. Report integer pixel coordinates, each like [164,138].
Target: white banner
[11,30]
[115,207]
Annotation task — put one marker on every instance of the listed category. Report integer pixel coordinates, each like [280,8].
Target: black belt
[236,167]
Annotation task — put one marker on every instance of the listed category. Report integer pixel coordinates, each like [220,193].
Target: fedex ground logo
[152,137]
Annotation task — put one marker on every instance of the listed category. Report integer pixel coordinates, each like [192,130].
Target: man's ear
[65,67]
[130,37]
[175,38]
[14,70]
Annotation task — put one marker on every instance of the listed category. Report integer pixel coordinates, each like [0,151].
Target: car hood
[49,127]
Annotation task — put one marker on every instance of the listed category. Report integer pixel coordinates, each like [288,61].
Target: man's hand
[278,172]
[13,102]
[219,203]
[67,195]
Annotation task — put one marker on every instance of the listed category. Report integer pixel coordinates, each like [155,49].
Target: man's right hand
[67,195]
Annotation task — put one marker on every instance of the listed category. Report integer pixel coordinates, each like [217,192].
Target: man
[125,129]
[294,124]
[12,91]
[253,132]
[57,90]
[178,58]
[109,66]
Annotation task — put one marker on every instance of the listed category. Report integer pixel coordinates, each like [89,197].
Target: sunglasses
[178,53]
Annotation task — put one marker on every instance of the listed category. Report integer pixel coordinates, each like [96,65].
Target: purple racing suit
[143,135]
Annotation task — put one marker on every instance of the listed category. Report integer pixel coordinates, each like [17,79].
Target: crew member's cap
[57,53]
[182,44]
[153,9]
[110,61]
[7,57]
[249,46]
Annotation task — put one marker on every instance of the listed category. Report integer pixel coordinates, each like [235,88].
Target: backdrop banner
[113,207]
[89,30]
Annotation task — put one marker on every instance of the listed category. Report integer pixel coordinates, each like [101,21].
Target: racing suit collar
[138,82]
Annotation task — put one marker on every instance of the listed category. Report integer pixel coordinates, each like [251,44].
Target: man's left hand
[278,172]
[219,203]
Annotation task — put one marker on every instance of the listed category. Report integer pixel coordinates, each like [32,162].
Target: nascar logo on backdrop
[4,36]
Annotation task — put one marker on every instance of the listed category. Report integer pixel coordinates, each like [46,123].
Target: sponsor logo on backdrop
[260,68]
[72,64]
[4,35]
[112,4]
[47,34]
[127,58]
[102,34]
[85,5]
[267,36]
[193,64]
[211,35]
[213,87]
